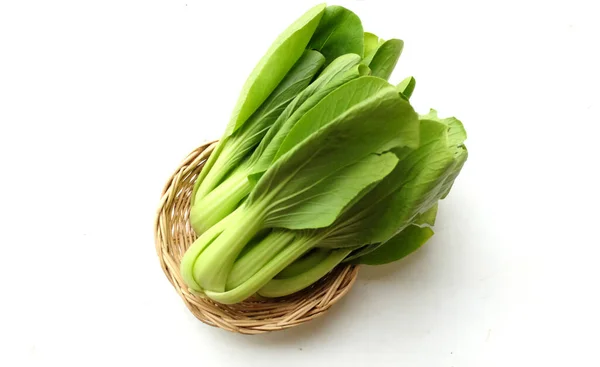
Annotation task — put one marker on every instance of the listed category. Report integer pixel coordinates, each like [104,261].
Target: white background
[99,102]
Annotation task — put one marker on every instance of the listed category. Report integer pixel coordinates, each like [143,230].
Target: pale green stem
[215,169]
[207,167]
[214,264]
[266,273]
[186,267]
[251,262]
[220,202]
[284,287]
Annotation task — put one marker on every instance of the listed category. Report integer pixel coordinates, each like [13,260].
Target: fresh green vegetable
[323,162]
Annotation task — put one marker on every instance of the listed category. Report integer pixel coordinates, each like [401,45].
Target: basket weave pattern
[174,234]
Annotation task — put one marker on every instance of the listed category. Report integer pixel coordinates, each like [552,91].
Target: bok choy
[323,162]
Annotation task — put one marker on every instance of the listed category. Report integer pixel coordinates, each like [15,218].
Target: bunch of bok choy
[323,162]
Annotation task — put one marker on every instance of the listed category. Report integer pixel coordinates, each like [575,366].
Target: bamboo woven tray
[174,234]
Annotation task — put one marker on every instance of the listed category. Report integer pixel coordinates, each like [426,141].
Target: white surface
[99,103]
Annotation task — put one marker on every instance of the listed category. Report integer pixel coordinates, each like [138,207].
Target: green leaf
[340,32]
[340,71]
[365,128]
[407,86]
[385,59]
[274,65]
[332,72]
[321,202]
[397,247]
[295,81]
[331,106]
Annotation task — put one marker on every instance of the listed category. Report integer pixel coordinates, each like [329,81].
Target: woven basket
[174,234]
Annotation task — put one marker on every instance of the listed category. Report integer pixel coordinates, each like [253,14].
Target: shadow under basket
[174,234]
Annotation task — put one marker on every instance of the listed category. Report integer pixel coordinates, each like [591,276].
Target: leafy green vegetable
[323,162]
